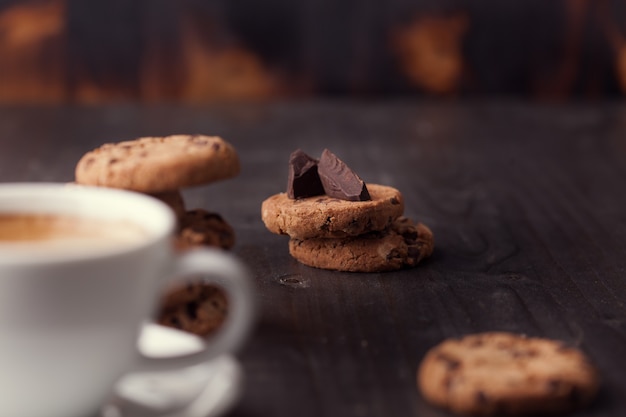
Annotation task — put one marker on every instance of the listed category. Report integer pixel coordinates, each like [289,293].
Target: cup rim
[90,195]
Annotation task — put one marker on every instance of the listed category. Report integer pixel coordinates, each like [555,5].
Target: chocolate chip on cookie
[502,373]
[196,308]
[403,245]
[328,217]
[202,228]
[159,164]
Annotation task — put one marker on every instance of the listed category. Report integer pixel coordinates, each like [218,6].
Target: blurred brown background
[91,51]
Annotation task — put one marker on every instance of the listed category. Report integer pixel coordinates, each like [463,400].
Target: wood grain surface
[527,203]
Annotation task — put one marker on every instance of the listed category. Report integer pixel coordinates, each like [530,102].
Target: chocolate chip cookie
[403,245]
[501,373]
[159,164]
[327,217]
[196,308]
[202,228]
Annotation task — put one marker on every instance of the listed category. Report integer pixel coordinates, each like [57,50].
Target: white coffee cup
[70,317]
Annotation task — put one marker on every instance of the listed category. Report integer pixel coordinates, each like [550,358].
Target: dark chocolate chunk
[303,180]
[339,180]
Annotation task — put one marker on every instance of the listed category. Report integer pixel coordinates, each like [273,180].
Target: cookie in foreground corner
[506,374]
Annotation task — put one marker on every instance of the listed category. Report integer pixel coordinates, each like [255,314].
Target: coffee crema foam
[65,232]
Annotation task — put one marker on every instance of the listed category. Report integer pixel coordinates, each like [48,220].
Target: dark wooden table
[527,203]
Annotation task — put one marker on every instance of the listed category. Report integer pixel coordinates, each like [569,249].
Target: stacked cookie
[336,221]
[161,167]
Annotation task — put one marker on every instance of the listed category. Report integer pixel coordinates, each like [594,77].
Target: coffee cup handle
[223,270]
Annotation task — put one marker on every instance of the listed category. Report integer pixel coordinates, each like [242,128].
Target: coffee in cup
[55,231]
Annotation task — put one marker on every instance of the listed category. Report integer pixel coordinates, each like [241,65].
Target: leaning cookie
[196,308]
[499,373]
[202,228]
[404,245]
[326,217]
[174,200]
[158,164]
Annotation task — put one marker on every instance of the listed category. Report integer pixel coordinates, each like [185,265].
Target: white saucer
[207,390]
